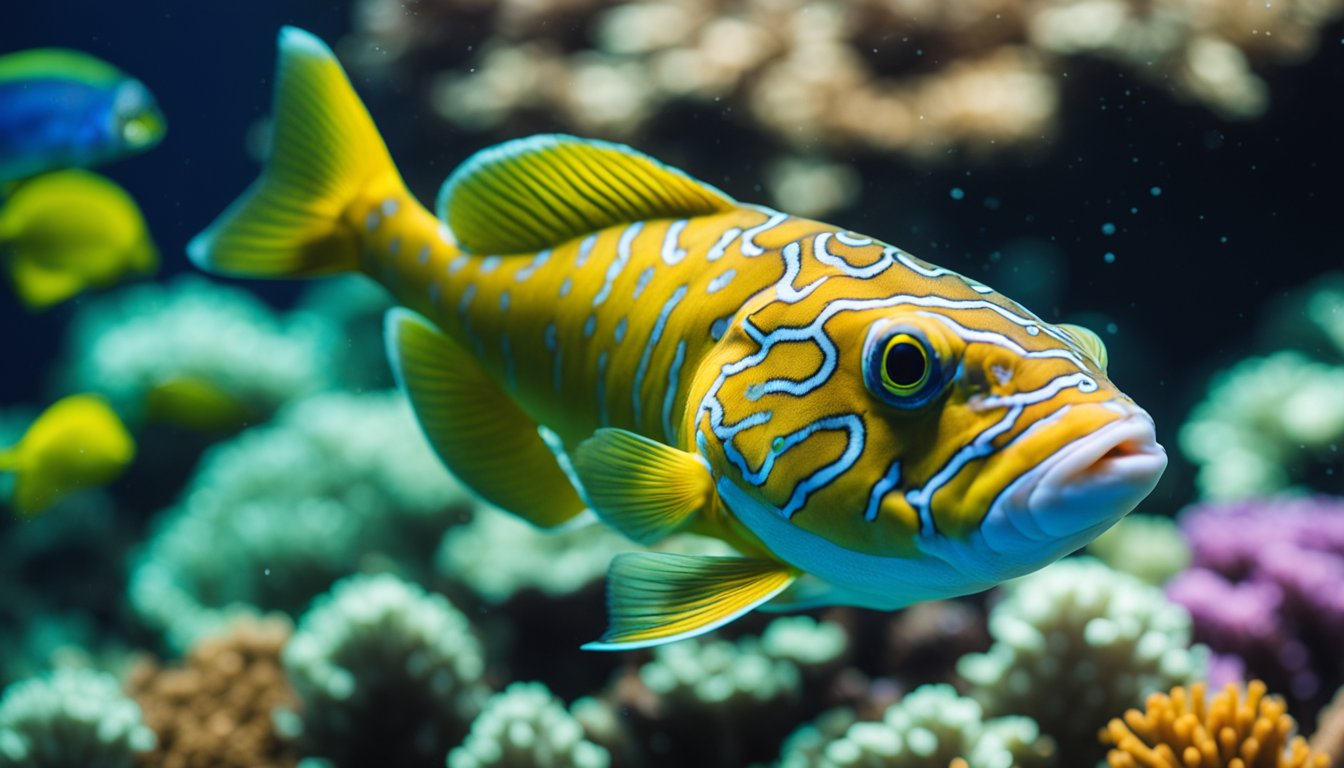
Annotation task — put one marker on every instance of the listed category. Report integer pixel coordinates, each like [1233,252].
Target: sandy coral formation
[914,77]
[1076,643]
[387,674]
[1265,587]
[73,718]
[526,726]
[196,353]
[1329,735]
[216,708]
[1187,729]
[336,483]
[932,727]
[1149,547]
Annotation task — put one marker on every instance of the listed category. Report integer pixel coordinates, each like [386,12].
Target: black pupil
[904,364]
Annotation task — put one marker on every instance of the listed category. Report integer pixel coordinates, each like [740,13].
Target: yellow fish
[585,327]
[79,442]
[65,232]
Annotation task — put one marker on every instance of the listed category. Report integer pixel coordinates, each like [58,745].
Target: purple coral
[1267,586]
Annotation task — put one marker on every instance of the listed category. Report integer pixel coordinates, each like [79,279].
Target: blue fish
[65,109]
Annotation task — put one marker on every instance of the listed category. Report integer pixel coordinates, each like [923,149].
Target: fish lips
[1091,482]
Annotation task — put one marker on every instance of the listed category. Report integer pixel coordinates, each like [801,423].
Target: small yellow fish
[79,442]
[588,328]
[65,232]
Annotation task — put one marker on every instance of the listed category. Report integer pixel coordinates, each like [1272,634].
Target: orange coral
[1185,730]
[215,712]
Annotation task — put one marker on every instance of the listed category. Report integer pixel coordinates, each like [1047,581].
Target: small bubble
[993,203]
[268,571]
[1155,191]
[1108,257]
[1223,239]
[1134,210]
[1112,328]
[956,193]
[1108,229]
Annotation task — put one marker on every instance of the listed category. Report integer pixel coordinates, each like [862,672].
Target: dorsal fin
[528,194]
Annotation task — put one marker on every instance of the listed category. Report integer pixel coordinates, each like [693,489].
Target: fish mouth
[1093,481]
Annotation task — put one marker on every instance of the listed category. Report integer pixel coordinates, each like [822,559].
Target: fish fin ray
[541,191]
[655,598]
[487,441]
[639,486]
[326,154]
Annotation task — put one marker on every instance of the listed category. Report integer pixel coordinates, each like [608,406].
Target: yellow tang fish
[586,327]
[65,232]
[78,442]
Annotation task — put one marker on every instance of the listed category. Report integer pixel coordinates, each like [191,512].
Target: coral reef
[73,718]
[336,483]
[722,703]
[216,709]
[525,726]
[196,353]
[1187,729]
[1266,425]
[1329,736]
[1076,643]
[1146,546]
[386,674]
[931,727]
[1265,587]
[819,75]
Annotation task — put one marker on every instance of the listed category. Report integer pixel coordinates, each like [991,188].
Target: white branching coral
[1077,643]
[277,514]
[932,727]
[526,726]
[387,674]
[74,718]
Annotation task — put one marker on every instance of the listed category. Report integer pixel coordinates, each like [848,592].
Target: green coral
[130,344]
[736,678]
[1265,424]
[337,482]
[497,555]
[73,718]
[1149,547]
[526,726]
[932,727]
[1077,643]
[387,674]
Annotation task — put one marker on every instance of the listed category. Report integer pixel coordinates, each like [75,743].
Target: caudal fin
[326,154]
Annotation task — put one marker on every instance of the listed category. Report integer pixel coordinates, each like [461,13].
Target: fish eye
[901,367]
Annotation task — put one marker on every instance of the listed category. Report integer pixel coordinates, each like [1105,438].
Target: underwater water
[244,551]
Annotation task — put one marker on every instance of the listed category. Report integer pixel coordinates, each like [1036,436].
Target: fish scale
[583,327]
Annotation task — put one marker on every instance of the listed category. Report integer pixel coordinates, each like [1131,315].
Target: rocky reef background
[295,577]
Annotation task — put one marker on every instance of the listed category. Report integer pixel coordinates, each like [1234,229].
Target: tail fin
[326,154]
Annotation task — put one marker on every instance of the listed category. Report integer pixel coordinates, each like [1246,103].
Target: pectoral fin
[639,486]
[654,599]
[492,446]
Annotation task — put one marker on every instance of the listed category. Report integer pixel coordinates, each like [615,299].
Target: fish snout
[1099,477]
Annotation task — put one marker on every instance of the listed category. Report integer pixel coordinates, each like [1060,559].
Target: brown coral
[1183,729]
[215,712]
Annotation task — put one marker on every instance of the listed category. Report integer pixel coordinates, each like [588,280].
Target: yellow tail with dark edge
[326,155]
